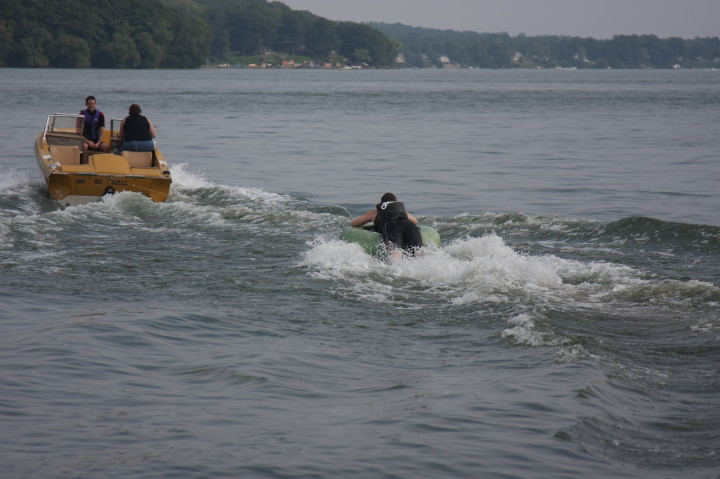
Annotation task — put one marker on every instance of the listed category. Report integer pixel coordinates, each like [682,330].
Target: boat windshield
[62,123]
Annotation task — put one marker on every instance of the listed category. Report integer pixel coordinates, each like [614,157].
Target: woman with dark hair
[397,227]
[136,131]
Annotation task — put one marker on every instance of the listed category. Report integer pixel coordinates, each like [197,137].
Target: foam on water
[186,179]
[334,259]
[482,272]
[523,331]
[13,180]
[242,205]
[466,271]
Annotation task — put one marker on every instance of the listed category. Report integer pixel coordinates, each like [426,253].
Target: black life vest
[137,128]
[390,210]
[92,125]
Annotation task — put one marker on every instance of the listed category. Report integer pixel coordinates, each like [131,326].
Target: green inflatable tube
[372,243]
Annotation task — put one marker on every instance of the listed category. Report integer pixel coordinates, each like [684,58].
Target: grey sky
[584,18]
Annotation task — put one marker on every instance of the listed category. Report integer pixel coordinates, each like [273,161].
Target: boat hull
[79,188]
[372,243]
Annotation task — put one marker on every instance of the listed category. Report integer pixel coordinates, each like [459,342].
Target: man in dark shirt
[93,128]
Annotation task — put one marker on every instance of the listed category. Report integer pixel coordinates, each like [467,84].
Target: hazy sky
[584,18]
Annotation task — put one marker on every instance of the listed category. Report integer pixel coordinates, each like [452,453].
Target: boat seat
[65,155]
[139,159]
[64,139]
[109,164]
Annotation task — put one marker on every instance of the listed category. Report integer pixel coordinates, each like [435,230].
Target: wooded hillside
[190,33]
[175,34]
[424,47]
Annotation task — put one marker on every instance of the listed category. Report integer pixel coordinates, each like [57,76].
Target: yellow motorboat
[73,177]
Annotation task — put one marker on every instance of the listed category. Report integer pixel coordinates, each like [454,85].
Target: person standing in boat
[136,131]
[93,128]
[397,227]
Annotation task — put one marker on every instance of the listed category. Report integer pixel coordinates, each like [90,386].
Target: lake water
[568,326]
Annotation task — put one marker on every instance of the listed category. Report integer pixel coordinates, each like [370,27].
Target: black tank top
[137,128]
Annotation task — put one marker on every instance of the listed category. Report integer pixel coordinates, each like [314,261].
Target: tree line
[251,27]
[175,34]
[100,34]
[189,33]
[424,47]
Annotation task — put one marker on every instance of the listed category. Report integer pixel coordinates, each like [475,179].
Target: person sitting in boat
[93,128]
[136,131]
[397,227]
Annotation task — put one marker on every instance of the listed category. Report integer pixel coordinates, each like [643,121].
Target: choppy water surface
[568,326]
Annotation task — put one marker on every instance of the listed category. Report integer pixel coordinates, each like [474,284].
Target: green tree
[357,37]
[216,18]
[6,43]
[28,54]
[360,56]
[191,42]
[69,52]
[151,53]
[121,52]
[256,28]
[321,37]
[705,50]
[29,51]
